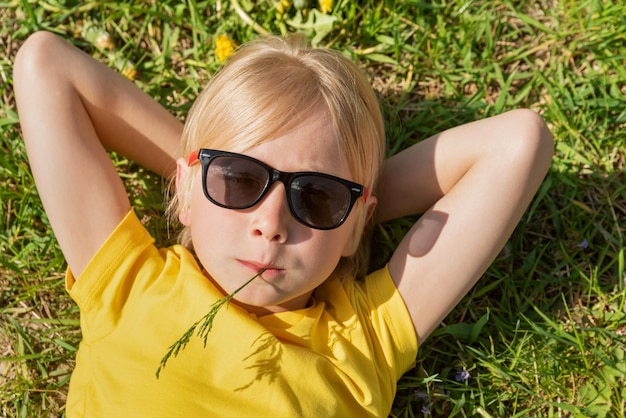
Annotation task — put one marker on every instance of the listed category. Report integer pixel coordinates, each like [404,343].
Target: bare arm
[473,184]
[72,110]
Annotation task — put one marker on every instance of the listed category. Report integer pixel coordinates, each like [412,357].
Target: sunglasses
[236,181]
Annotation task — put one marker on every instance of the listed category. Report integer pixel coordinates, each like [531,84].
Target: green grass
[543,334]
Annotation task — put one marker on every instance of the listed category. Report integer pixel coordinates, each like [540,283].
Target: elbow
[531,142]
[34,59]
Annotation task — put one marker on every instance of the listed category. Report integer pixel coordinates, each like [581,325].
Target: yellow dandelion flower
[326,6]
[123,65]
[129,71]
[224,47]
[282,6]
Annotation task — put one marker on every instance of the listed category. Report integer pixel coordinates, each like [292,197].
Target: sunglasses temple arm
[193,157]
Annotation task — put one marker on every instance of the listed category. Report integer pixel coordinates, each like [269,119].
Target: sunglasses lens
[234,182]
[318,201]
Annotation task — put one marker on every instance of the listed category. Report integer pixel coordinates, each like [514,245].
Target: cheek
[207,221]
[332,245]
[215,238]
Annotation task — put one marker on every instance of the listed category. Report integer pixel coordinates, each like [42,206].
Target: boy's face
[233,245]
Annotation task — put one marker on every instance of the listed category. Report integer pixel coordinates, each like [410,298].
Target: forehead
[309,146]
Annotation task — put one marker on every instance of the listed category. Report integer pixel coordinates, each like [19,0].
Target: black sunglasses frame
[205,156]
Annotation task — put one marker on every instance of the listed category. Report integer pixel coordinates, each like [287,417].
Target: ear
[355,239]
[371,207]
[182,192]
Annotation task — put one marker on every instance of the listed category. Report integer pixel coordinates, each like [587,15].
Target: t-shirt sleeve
[391,321]
[107,281]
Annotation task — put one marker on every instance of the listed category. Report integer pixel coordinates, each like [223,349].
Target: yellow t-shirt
[341,357]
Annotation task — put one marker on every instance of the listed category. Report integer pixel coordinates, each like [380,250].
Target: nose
[271,215]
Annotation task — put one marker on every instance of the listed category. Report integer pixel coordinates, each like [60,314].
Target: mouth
[267,271]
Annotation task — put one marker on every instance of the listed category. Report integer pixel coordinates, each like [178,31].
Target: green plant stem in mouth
[203,325]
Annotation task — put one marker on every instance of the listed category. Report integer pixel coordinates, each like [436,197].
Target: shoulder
[128,258]
[128,237]
[376,301]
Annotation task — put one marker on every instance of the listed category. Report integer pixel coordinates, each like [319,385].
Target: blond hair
[268,87]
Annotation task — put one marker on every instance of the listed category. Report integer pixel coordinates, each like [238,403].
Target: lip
[269,272]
